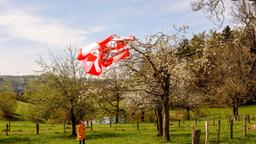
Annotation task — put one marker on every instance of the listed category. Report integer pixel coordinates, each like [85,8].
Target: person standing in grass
[81,132]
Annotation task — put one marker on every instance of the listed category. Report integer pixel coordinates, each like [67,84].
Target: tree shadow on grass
[248,139]
[180,138]
[100,135]
[12,140]
[92,135]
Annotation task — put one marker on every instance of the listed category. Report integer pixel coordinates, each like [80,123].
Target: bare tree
[69,79]
[214,9]
[244,12]
[241,10]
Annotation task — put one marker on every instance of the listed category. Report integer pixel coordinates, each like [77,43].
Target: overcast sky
[32,28]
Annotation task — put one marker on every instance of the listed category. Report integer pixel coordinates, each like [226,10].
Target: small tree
[66,76]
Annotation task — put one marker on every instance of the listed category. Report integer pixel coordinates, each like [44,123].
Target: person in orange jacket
[81,132]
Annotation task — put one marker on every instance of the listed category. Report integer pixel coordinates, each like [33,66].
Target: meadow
[24,132]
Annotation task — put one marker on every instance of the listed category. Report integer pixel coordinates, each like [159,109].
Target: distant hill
[16,83]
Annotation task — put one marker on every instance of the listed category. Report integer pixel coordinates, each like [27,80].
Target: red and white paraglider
[99,55]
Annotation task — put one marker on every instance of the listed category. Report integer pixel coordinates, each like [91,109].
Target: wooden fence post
[248,119]
[231,128]
[6,130]
[245,128]
[218,132]
[183,121]
[195,135]
[213,120]
[9,126]
[64,127]
[91,126]
[87,124]
[116,127]
[138,127]
[179,122]
[192,133]
[206,132]
[37,128]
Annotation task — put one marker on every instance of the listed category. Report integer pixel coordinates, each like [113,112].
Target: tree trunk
[188,115]
[73,122]
[156,120]
[166,134]
[142,117]
[235,109]
[117,107]
[159,118]
[165,98]
[196,136]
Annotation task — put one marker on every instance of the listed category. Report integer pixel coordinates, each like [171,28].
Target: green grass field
[23,132]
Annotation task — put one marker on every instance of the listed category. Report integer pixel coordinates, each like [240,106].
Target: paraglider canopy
[99,55]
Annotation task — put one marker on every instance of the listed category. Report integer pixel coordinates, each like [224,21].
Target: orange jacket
[81,132]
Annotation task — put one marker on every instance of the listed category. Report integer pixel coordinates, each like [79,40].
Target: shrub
[7,104]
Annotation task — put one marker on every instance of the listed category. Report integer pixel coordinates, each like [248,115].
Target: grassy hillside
[22,110]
